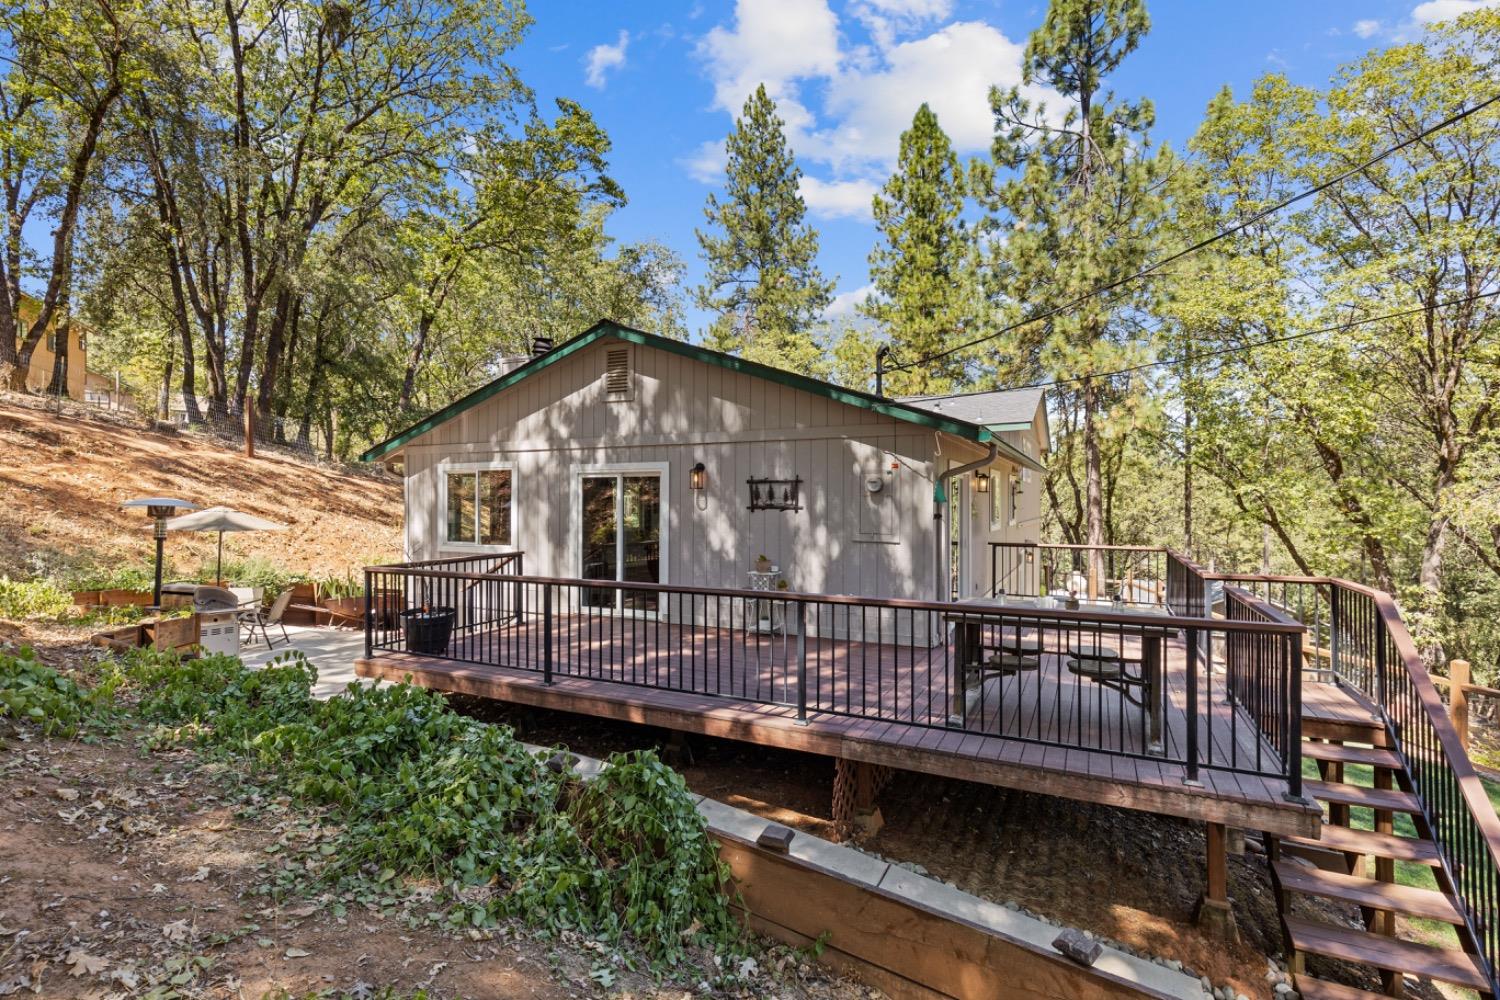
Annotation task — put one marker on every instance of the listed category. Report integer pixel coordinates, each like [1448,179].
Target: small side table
[770,615]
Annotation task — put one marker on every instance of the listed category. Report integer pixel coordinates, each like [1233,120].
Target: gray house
[627,456]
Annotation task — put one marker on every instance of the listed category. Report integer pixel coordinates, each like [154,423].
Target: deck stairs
[1352,870]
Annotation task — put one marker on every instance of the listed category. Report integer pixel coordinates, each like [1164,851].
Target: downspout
[939,501]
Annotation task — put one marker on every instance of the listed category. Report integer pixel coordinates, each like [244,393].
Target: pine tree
[763,279]
[921,268]
[1079,209]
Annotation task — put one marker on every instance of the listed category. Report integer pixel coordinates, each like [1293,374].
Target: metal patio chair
[265,619]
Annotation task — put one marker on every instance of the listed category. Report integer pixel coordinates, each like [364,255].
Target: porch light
[697,477]
[159,509]
[981,482]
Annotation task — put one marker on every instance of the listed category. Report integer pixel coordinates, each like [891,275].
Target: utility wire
[1201,244]
[1240,348]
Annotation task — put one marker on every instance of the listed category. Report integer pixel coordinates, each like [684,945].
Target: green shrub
[422,791]
[215,697]
[34,693]
[130,576]
[33,600]
[341,586]
[253,572]
[626,854]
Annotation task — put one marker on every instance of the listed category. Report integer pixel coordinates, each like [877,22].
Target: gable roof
[896,409]
[999,410]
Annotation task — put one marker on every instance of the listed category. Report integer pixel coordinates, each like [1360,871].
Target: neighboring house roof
[1000,410]
[896,409]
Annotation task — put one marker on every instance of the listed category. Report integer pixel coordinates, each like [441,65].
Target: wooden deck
[1044,730]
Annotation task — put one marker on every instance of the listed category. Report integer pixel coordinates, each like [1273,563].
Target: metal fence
[284,434]
[1129,684]
[1137,574]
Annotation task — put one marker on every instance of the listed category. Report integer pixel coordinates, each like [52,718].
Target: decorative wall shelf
[775,494]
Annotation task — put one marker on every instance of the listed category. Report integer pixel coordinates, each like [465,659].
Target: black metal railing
[1187,590]
[1260,681]
[1136,573]
[478,601]
[1356,637]
[1127,683]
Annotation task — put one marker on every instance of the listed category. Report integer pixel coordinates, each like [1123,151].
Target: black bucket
[427,631]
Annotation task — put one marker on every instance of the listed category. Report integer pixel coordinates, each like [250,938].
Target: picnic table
[1096,661]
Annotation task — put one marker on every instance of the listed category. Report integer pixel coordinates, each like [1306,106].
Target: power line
[1300,335]
[1201,244]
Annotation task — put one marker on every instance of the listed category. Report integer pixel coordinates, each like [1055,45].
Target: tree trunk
[59,385]
[284,312]
[413,360]
[1187,480]
[164,397]
[1093,487]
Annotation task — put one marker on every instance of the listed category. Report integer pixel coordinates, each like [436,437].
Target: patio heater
[159,509]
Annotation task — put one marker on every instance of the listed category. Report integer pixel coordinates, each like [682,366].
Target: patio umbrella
[222,519]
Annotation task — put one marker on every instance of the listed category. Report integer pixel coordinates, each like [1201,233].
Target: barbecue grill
[218,620]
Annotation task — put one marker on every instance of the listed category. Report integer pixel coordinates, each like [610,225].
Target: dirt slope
[62,479]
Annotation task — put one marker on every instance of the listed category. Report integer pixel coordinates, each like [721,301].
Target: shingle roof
[1001,408]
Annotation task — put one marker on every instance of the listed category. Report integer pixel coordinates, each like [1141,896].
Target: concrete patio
[331,650]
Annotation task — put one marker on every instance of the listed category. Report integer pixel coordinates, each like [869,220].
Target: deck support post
[801,664]
[1215,913]
[855,786]
[369,619]
[1192,708]
[1459,676]
[547,634]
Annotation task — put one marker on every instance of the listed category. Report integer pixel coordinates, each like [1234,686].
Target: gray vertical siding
[685,411]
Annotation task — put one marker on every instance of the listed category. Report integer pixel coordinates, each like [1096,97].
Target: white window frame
[443,469]
[661,469]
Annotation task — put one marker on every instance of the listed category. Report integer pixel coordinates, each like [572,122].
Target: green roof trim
[607,328]
[1017,456]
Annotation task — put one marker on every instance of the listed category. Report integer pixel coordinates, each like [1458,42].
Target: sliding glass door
[622,537]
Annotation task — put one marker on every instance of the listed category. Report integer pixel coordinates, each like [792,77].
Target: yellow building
[39,375]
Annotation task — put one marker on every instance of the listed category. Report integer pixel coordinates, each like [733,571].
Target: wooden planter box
[305,595]
[174,633]
[124,598]
[122,638]
[86,598]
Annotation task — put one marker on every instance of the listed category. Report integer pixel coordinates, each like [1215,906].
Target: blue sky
[664,78]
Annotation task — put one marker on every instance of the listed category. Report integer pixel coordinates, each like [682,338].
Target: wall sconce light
[981,482]
[697,479]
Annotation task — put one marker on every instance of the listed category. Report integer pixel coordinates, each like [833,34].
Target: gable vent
[617,372]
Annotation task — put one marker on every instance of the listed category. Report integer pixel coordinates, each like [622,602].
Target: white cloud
[845,106]
[775,42]
[1447,10]
[706,165]
[1367,28]
[887,18]
[846,199]
[601,59]
[951,69]
[846,303]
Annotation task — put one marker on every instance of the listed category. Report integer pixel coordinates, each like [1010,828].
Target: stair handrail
[1427,742]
